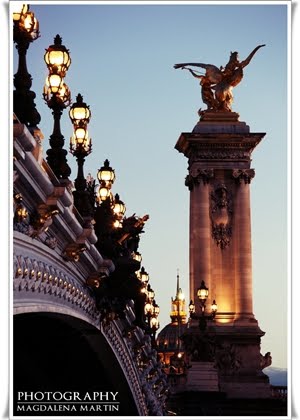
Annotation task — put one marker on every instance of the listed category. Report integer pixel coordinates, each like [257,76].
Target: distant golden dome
[169,337]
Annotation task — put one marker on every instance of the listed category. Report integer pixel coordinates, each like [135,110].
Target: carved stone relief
[227,359]
[199,347]
[224,153]
[221,214]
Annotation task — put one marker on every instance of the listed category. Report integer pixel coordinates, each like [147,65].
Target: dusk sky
[122,63]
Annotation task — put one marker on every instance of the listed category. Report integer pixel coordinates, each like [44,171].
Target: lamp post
[80,147]
[106,176]
[119,209]
[143,275]
[151,312]
[154,326]
[58,97]
[25,31]
[202,294]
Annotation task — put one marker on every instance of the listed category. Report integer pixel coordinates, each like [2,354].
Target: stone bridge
[62,340]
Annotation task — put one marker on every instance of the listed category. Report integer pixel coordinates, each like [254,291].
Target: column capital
[195,176]
[245,175]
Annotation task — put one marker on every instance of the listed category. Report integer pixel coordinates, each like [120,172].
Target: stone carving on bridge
[33,224]
[72,252]
[217,82]
[51,242]
[21,221]
[221,210]
[37,276]
[265,360]
[42,219]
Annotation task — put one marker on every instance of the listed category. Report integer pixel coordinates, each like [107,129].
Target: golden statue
[217,83]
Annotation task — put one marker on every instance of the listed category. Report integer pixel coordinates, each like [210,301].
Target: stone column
[243,290]
[198,181]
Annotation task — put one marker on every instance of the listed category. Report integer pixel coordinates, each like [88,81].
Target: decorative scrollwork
[37,276]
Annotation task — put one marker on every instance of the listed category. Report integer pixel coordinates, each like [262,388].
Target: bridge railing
[279,392]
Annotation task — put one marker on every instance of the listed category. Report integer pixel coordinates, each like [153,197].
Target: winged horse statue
[217,83]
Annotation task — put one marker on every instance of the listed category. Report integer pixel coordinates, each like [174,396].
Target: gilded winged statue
[217,83]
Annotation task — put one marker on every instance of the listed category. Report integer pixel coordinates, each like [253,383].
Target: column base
[227,358]
[245,319]
[202,376]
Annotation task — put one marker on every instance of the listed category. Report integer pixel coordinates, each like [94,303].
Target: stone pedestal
[219,162]
[202,376]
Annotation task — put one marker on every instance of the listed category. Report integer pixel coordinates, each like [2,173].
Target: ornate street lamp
[143,275]
[104,193]
[202,294]
[79,112]
[154,325]
[192,307]
[137,257]
[106,176]
[214,307]
[80,147]
[57,57]
[119,207]
[25,31]
[150,292]
[156,308]
[152,311]
[58,97]
[148,310]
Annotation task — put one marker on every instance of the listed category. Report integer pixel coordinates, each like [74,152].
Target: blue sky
[122,64]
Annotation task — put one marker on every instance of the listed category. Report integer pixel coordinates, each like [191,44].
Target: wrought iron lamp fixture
[80,115]
[137,256]
[58,97]
[80,147]
[106,176]
[143,276]
[151,313]
[25,31]
[202,294]
[119,207]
